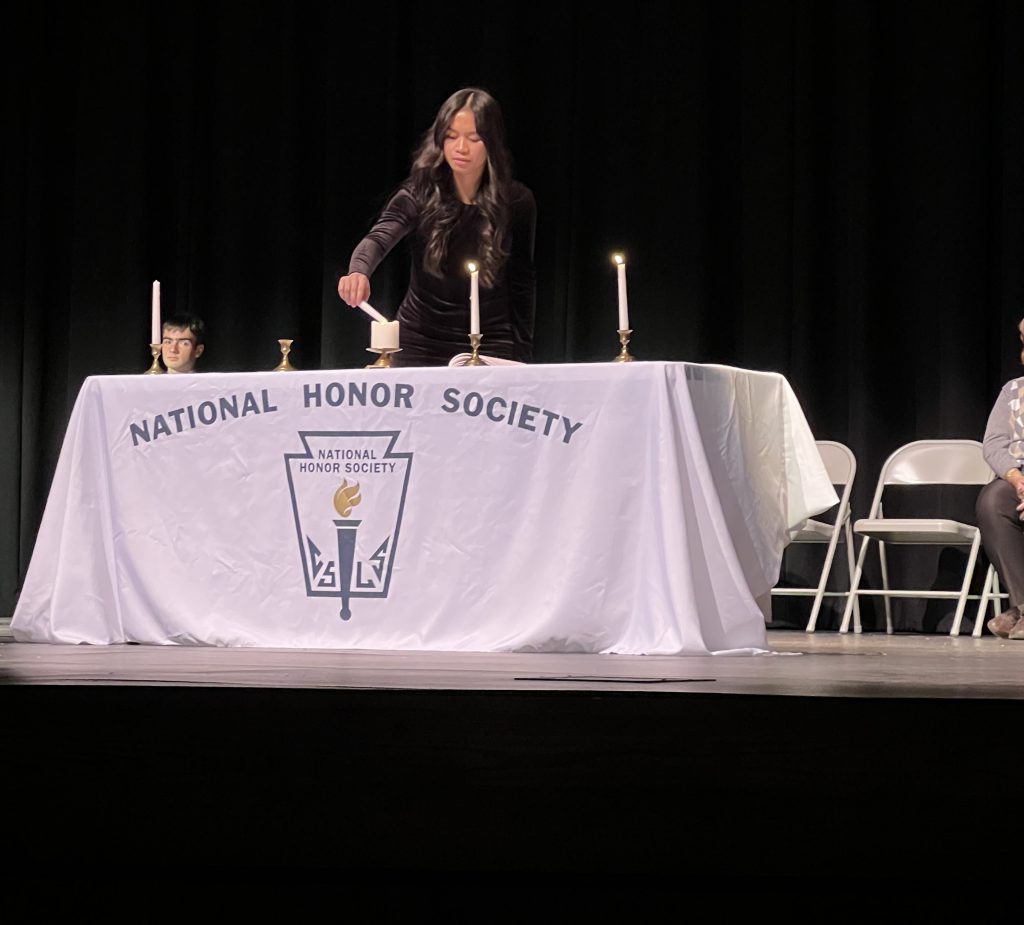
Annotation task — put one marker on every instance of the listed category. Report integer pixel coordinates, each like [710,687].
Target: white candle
[384,335]
[620,266]
[155,326]
[372,312]
[474,297]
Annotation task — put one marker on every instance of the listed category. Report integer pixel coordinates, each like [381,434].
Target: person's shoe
[1006,624]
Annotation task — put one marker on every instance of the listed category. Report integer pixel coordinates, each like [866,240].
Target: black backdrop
[829,190]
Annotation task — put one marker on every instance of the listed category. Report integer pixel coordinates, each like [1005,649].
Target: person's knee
[996,501]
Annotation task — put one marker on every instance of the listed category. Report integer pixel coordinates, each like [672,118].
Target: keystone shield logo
[348,494]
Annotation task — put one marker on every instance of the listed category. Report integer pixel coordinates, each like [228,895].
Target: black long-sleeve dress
[434,314]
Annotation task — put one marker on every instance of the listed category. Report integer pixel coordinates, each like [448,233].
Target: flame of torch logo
[346,497]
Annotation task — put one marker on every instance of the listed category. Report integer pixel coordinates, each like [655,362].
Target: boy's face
[180,351]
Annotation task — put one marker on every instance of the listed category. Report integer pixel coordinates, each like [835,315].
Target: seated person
[183,342]
[1001,502]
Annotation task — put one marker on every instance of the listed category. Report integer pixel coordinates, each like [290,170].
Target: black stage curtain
[828,190]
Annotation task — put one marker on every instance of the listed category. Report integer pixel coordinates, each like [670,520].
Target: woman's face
[464,150]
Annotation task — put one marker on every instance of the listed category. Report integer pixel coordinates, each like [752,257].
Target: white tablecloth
[635,508]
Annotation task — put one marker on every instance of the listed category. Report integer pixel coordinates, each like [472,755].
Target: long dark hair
[431,184]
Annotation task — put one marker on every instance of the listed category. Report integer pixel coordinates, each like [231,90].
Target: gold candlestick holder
[156,369]
[284,366]
[383,361]
[624,355]
[474,344]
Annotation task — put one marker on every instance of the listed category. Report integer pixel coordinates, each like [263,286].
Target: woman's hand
[1015,478]
[355,288]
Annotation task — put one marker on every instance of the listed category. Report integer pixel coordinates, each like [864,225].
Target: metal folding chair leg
[844,627]
[812,621]
[885,587]
[992,594]
[850,566]
[966,587]
[983,600]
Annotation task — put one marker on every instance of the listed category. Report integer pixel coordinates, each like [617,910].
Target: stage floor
[800,664]
[512,766]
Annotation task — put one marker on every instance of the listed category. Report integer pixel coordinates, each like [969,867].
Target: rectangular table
[635,508]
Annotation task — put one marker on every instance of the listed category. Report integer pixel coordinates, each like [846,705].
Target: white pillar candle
[155,320]
[474,297]
[620,266]
[384,335]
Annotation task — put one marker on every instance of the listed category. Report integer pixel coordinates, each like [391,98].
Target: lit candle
[620,266]
[474,297]
[372,312]
[155,332]
[384,335]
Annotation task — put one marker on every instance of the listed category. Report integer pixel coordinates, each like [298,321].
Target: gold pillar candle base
[474,343]
[284,366]
[624,355]
[156,369]
[384,360]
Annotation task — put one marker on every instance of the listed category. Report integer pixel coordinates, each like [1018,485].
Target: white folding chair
[990,594]
[841,466]
[923,462]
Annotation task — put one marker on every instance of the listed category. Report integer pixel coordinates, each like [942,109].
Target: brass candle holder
[624,355]
[284,366]
[474,344]
[383,361]
[156,369]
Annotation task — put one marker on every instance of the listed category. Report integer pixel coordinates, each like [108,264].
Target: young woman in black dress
[459,203]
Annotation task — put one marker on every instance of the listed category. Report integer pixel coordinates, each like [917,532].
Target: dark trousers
[1002,535]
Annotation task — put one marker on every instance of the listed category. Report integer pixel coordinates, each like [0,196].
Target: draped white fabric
[637,508]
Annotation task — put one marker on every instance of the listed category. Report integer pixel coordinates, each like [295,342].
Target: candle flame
[618,259]
[471,266]
[346,497]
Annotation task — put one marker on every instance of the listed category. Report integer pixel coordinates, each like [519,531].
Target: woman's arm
[395,222]
[998,436]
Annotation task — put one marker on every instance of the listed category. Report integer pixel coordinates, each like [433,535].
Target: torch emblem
[345,498]
[348,492]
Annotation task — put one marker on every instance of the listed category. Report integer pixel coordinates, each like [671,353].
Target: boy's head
[182,343]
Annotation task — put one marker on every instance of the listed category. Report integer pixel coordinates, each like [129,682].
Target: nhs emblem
[348,491]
